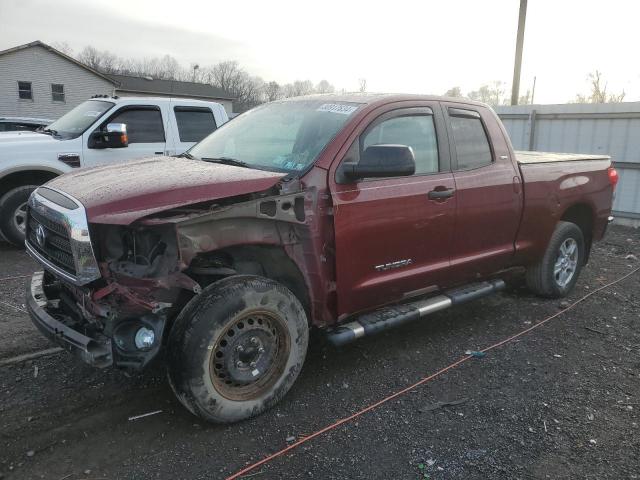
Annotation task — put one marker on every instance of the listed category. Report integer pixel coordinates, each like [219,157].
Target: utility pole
[515,92]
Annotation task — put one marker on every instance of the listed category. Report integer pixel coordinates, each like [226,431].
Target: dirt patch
[561,402]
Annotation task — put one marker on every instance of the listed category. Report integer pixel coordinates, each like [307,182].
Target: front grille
[57,245]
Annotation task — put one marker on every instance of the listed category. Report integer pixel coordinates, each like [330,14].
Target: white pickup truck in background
[101,130]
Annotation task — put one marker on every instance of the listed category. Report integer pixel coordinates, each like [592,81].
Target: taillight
[613,177]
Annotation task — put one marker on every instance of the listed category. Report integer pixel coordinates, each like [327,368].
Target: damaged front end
[107,301]
[111,292]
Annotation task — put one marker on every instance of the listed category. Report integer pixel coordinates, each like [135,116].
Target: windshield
[282,136]
[74,123]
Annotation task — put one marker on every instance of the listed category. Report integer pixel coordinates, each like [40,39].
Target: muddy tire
[13,214]
[558,271]
[237,348]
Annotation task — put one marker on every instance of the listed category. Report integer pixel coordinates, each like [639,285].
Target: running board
[390,317]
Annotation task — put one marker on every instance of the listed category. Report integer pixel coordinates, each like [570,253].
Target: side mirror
[382,161]
[114,136]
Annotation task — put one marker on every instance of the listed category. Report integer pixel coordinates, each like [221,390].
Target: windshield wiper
[186,155]
[49,131]
[227,161]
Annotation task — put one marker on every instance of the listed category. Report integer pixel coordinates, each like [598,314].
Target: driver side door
[393,235]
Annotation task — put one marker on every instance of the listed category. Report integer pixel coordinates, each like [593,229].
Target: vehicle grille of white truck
[57,236]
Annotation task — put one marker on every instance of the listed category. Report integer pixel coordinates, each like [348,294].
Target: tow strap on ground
[424,380]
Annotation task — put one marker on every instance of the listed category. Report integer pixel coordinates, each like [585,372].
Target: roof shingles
[154,86]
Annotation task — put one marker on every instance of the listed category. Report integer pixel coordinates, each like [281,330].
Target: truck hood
[121,194]
[11,138]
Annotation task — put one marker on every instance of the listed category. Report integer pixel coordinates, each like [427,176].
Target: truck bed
[527,157]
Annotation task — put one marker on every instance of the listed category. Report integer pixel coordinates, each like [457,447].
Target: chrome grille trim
[75,224]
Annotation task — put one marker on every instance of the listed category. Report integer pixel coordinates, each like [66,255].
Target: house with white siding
[36,80]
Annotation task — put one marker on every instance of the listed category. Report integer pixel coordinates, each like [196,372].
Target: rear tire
[558,271]
[237,348]
[13,214]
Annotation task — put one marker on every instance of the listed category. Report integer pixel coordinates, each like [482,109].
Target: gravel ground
[560,402]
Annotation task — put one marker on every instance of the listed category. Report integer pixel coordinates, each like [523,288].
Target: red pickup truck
[352,214]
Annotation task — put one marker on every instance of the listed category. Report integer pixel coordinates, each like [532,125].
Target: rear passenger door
[145,129]
[393,235]
[190,124]
[489,199]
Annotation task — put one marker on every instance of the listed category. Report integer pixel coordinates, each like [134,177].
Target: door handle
[442,194]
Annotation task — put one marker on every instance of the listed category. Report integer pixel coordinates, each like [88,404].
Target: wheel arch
[582,215]
[268,260]
[30,176]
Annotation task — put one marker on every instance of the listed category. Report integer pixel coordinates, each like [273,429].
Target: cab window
[470,139]
[194,123]
[144,125]
[415,131]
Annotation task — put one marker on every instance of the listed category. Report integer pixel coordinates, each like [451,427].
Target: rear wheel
[237,348]
[557,273]
[13,214]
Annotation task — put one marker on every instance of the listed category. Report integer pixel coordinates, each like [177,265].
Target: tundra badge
[396,264]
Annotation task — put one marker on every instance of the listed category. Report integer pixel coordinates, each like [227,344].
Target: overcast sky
[398,46]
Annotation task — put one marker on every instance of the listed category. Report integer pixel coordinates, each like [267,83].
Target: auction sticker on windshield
[337,108]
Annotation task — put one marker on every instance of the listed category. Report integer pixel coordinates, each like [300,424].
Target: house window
[57,92]
[24,91]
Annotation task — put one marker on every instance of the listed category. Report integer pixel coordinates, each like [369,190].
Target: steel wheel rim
[564,268]
[20,218]
[243,374]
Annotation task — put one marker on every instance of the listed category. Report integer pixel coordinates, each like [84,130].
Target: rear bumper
[93,351]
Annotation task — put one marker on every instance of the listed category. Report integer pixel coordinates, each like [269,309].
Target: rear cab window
[194,123]
[469,138]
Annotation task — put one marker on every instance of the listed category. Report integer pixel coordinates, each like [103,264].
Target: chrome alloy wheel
[566,262]
[20,218]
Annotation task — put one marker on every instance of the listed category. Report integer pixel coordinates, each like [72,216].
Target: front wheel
[13,214]
[557,273]
[237,348]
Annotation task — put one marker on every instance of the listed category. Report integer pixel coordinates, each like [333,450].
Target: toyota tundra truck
[101,130]
[351,214]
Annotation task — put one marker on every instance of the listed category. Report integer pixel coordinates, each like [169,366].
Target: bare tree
[108,62]
[228,76]
[454,92]
[247,91]
[103,61]
[363,84]
[493,94]
[63,47]
[525,99]
[90,57]
[273,91]
[298,88]
[598,92]
[324,87]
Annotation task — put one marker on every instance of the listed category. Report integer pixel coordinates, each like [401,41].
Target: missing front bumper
[93,351]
